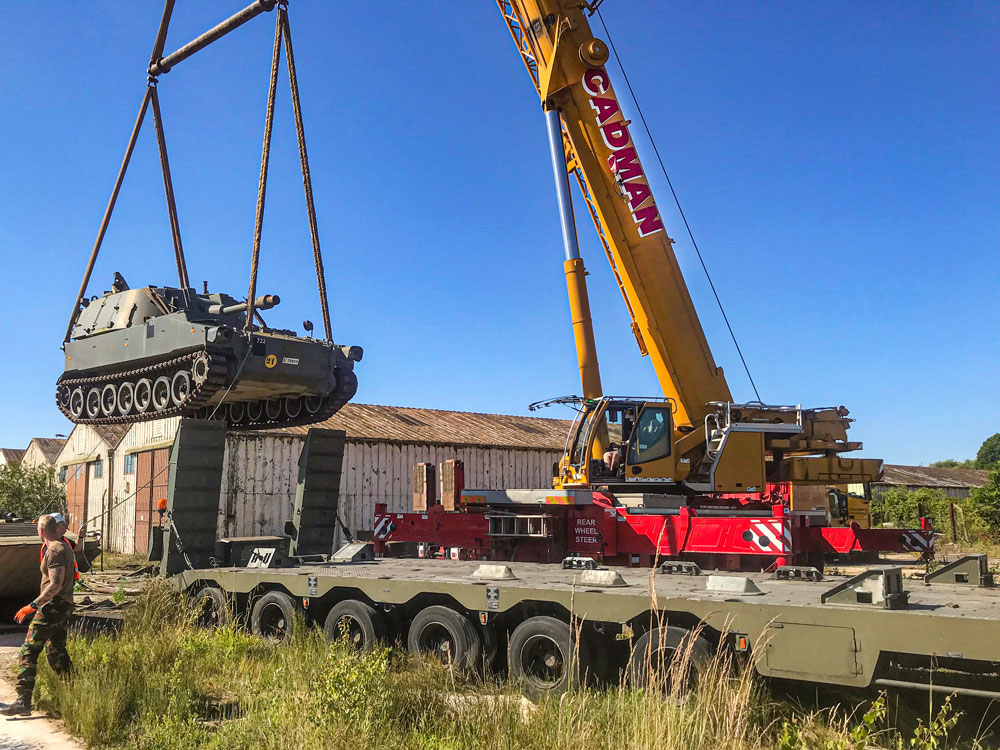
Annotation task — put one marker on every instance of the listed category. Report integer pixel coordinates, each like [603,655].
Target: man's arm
[57,576]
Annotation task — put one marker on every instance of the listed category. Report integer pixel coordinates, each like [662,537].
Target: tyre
[94,403]
[109,400]
[180,387]
[126,398]
[273,616]
[161,393]
[545,658]
[653,662]
[212,607]
[447,635]
[143,394]
[359,623]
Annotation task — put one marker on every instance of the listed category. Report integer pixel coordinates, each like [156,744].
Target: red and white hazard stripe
[917,541]
[771,535]
[383,527]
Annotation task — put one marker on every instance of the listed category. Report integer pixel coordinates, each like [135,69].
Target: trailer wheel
[359,623]
[652,662]
[212,607]
[545,657]
[446,635]
[273,616]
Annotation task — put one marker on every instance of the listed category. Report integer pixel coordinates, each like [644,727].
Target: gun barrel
[264,302]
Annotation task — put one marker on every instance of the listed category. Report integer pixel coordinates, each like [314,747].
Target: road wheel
[545,657]
[292,406]
[212,607]
[237,411]
[669,659]
[313,403]
[273,616]
[143,395]
[272,409]
[180,387]
[109,400]
[126,398]
[76,403]
[447,635]
[94,403]
[161,393]
[359,623]
[255,410]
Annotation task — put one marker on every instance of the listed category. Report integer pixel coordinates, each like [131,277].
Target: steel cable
[306,178]
[677,201]
[265,158]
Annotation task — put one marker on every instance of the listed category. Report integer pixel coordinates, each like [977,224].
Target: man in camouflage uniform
[51,611]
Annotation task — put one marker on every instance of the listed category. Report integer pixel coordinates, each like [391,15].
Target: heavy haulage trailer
[553,625]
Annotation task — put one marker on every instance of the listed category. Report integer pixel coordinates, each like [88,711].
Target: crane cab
[619,441]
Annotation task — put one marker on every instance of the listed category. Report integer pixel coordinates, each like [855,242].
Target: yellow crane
[696,438]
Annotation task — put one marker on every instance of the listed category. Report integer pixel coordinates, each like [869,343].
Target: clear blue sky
[839,164]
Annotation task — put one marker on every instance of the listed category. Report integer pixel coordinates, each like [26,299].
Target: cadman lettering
[624,161]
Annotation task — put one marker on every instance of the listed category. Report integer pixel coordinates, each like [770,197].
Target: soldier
[49,613]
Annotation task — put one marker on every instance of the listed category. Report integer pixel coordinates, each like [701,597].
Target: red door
[76,495]
[152,476]
[143,499]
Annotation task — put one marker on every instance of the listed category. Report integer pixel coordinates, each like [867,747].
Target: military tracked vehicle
[141,354]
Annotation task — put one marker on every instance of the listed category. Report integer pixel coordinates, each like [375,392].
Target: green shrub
[28,491]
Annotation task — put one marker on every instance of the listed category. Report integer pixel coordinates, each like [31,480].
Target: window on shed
[98,468]
[62,474]
[129,465]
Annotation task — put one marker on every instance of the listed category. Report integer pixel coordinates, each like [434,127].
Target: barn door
[76,495]
[143,500]
[152,477]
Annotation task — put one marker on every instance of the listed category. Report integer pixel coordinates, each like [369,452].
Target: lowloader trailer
[554,626]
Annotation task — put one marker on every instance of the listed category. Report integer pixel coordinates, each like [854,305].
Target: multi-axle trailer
[552,626]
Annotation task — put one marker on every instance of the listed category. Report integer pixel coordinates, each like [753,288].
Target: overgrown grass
[163,683]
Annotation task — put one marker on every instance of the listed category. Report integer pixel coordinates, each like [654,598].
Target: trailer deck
[840,630]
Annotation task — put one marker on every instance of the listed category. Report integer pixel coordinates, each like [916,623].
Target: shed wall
[85,446]
[261,472]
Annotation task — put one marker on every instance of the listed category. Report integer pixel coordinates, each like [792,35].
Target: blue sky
[839,164]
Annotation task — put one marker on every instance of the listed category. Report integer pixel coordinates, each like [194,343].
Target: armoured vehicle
[140,354]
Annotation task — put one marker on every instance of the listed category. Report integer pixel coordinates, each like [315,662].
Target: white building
[11,456]
[43,451]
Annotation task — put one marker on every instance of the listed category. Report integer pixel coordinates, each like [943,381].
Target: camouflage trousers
[50,625]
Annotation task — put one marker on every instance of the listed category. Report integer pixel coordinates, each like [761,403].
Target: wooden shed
[384,443]
[43,451]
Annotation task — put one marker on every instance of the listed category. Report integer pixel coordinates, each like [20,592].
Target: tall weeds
[163,683]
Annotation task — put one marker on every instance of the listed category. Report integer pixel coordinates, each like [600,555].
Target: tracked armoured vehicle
[141,354]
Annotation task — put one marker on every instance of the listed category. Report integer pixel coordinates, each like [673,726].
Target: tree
[952,463]
[989,453]
[984,502]
[903,508]
[29,491]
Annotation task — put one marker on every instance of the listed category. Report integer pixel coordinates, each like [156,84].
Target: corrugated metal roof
[13,455]
[436,426]
[50,447]
[934,476]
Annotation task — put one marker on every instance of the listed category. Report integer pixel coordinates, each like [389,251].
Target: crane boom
[717,445]
[566,66]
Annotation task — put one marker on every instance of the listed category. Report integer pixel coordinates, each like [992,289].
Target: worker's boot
[20,707]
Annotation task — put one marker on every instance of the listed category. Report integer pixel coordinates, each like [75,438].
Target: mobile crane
[694,467]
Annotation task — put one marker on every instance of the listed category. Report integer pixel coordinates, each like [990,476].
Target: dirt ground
[37,732]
